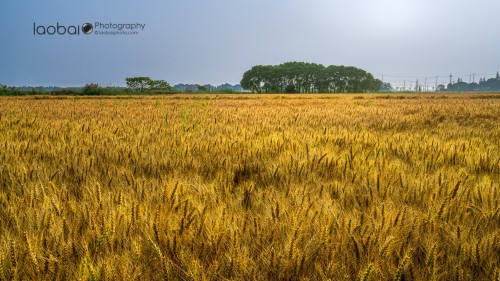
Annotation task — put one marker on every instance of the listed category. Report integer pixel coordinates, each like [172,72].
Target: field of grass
[247,187]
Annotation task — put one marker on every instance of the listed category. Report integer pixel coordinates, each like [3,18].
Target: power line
[403,82]
[434,76]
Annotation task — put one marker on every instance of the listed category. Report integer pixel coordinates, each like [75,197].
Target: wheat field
[248,187]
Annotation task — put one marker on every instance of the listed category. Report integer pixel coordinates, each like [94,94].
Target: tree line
[492,84]
[302,77]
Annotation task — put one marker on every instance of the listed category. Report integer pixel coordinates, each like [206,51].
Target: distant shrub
[11,92]
[63,92]
[93,89]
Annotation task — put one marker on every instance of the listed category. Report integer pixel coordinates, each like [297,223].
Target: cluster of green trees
[492,84]
[7,91]
[134,85]
[146,84]
[302,77]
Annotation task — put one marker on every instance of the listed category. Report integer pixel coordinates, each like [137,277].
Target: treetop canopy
[302,77]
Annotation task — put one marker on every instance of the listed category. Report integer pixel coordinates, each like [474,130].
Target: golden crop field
[248,187]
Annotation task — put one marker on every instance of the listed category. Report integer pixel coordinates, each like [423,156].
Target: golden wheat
[248,187]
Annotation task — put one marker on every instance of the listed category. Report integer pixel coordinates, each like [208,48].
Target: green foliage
[202,89]
[290,89]
[185,114]
[301,77]
[160,85]
[492,84]
[92,89]
[145,84]
[138,84]
[11,92]
[60,92]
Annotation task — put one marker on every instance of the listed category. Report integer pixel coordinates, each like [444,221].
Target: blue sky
[217,41]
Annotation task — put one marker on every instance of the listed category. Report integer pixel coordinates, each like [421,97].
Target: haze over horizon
[215,42]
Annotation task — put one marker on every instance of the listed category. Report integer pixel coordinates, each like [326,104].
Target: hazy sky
[188,41]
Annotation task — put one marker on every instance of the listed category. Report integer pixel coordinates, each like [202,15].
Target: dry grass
[250,188]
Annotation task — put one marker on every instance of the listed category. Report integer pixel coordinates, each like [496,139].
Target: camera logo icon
[87,28]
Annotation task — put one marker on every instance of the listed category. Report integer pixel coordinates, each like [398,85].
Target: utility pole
[473,77]
[404,85]
[425,85]
[436,83]
[451,76]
